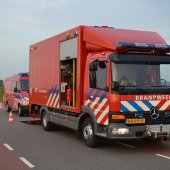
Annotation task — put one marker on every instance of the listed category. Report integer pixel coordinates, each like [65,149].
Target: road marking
[163,156]
[27,162]
[8,147]
[124,144]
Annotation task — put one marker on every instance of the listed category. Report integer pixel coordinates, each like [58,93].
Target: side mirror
[93,66]
[115,85]
[15,89]
[163,82]
[102,64]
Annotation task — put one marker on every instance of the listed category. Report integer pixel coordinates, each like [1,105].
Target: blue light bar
[139,115]
[23,74]
[142,45]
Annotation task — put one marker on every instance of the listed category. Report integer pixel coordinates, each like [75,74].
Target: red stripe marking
[89,103]
[96,105]
[94,91]
[168,108]
[56,104]
[161,103]
[105,118]
[98,114]
[101,110]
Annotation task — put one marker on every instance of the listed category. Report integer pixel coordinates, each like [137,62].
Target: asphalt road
[60,150]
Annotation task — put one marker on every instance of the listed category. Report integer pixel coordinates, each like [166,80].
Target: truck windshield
[143,75]
[24,85]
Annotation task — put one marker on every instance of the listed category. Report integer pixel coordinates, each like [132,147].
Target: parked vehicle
[102,82]
[16,93]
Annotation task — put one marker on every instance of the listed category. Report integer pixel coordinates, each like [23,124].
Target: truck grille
[162,119]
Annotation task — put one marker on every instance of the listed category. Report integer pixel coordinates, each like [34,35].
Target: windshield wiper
[134,89]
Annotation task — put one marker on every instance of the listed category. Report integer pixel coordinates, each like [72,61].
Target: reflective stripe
[90,92]
[95,102]
[51,90]
[154,102]
[87,102]
[167,103]
[136,106]
[56,101]
[124,109]
[100,106]
[142,105]
[96,94]
[148,104]
[49,99]
[54,96]
[103,96]
[128,106]
[106,120]
[106,111]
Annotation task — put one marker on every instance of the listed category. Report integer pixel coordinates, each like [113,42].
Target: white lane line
[163,156]
[124,144]
[27,162]
[8,147]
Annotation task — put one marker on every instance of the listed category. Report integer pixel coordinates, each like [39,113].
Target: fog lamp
[120,131]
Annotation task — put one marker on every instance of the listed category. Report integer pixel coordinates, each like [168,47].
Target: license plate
[135,121]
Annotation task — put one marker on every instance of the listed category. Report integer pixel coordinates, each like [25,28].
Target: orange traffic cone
[0,105]
[10,117]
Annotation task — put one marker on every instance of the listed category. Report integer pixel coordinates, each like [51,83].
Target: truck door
[68,72]
[12,94]
[17,93]
[97,97]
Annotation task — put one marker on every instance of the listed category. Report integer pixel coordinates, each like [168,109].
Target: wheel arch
[42,109]
[87,112]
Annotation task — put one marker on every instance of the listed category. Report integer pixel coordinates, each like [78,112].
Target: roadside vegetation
[1,90]
[1,93]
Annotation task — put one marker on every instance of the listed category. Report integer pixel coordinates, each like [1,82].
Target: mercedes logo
[154,112]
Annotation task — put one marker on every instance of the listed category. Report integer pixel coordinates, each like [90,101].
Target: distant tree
[1,83]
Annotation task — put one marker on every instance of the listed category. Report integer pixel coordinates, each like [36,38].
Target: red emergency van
[16,93]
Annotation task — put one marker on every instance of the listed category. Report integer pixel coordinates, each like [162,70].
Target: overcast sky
[24,22]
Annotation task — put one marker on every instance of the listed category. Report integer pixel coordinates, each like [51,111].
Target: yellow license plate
[135,121]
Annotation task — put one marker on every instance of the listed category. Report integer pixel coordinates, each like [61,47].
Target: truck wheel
[89,138]
[20,112]
[8,108]
[47,126]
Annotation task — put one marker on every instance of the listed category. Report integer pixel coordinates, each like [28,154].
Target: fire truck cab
[133,86]
[16,93]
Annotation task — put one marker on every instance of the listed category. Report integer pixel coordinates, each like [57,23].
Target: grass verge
[1,94]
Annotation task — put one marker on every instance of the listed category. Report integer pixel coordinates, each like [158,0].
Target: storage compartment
[68,82]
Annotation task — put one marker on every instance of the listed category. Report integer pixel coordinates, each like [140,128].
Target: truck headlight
[120,131]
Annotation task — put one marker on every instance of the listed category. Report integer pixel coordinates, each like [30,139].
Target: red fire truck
[103,83]
[16,93]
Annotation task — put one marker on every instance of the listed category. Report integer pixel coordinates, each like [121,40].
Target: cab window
[98,74]
[18,87]
[13,85]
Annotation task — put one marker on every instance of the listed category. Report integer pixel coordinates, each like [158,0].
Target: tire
[47,125]
[89,138]
[8,108]
[20,111]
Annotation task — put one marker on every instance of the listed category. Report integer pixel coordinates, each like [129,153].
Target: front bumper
[135,132]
